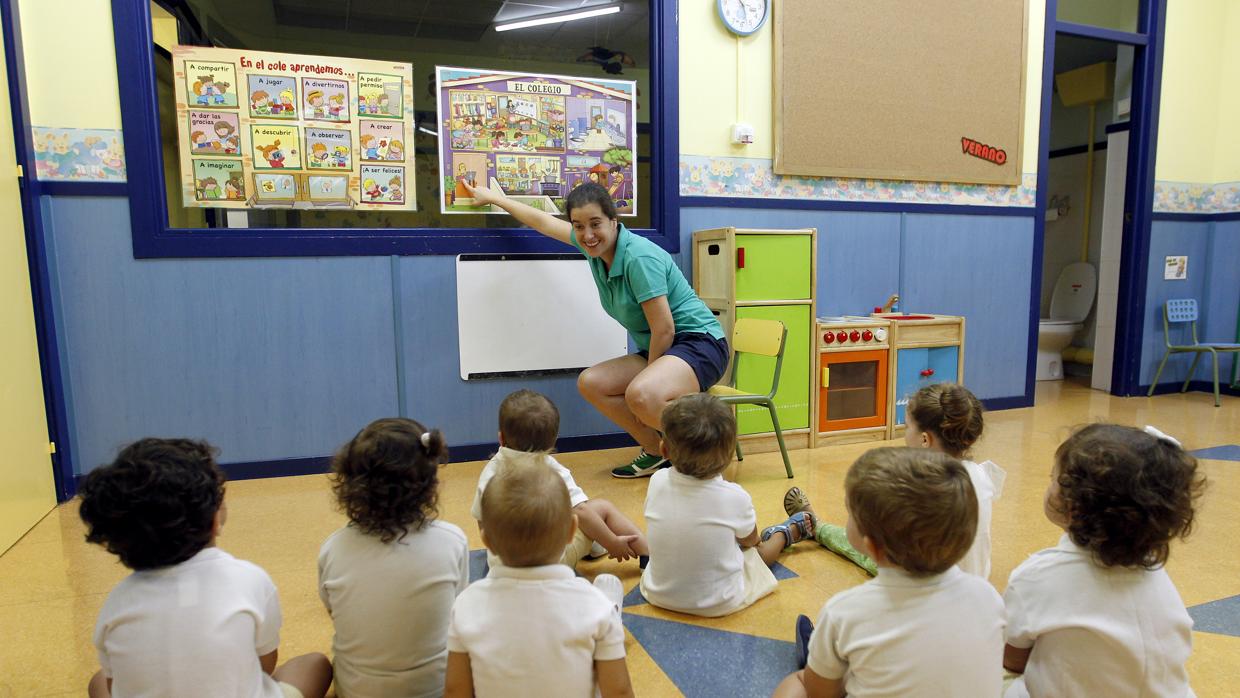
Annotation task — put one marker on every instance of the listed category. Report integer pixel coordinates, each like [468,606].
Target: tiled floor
[52,583]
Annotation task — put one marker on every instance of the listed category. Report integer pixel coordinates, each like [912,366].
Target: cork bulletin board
[890,89]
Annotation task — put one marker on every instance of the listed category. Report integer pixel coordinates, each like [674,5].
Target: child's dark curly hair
[1125,494]
[155,505]
[386,479]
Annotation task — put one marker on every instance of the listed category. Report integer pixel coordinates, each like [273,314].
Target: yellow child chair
[1185,310]
[762,338]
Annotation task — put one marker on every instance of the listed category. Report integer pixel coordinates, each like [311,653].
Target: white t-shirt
[988,484]
[535,631]
[193,629]
[692,527]
[1095,630]
[390,603]
[508,455]
[903,636]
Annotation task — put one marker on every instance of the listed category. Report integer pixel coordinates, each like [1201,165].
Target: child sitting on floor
[706,556]
[944,417]
[191,620]
[528,426]
[533,628]
[922,627]
[389,577]
[1097,614]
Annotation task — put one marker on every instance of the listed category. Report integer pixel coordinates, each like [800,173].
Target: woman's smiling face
[595,231]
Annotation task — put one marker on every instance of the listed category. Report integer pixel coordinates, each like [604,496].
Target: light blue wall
[1213,250]
[974,266]
[265,358]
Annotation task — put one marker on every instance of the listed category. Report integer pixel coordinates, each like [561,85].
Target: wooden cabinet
[767,274]
[926,349]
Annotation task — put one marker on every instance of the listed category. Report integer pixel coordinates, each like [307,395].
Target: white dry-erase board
[530,314]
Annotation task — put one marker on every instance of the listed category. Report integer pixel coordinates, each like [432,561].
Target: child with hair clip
[921,627]
[528,426]
[944,417]
[390,576]
[191,620]
[1097,615]
[532,627]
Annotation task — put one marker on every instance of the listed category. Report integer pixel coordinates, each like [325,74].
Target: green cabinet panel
[776,267]
[754,372]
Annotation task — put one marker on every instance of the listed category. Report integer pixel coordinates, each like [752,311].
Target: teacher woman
[683,349]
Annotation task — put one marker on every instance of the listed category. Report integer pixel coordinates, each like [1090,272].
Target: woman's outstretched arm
[541,221]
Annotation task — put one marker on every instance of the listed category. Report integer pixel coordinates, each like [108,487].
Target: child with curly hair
[1097,614]
[191,620]
[390,576]
[944,417]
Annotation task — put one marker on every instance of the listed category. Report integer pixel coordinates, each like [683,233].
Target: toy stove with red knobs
[852,379]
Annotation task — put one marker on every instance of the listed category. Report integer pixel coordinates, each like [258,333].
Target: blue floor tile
[635,598]
[1229,452]
[478,567]
[1222,616]
[710,663]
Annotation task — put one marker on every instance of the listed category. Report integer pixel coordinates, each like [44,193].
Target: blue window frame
[153,237]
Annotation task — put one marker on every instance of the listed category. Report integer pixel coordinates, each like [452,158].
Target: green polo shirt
[642,270]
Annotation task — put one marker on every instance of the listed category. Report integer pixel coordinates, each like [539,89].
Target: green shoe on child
[835,539]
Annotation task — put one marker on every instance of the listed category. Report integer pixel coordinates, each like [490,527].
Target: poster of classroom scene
[535,137]
[257,129]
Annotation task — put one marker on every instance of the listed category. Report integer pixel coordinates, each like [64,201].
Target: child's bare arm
[268,661]
[750,540]
[820,687]
[613,678]
[459,682]
[1015,658]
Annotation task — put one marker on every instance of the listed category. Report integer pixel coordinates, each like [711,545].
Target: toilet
[1070,305]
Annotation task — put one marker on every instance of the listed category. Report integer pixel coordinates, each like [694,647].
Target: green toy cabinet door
[754,372]
[773,267]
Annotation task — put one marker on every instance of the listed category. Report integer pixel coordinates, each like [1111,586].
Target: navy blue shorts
[707,356]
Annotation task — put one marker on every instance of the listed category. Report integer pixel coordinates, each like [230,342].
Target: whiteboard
[520,314]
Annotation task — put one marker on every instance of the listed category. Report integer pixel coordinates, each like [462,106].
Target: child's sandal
[800,526]
[795,501]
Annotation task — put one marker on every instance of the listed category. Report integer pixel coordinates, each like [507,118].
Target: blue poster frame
[153,238]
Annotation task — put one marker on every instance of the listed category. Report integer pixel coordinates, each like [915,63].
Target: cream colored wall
[1188,120]
[70,62]
[709,85]
[1227,139]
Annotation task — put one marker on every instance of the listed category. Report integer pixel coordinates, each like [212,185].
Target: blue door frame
[1139,187]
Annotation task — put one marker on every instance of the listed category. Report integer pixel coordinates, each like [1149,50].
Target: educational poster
[329,148]
[535,136]
[214,132]
[381,140]
[326,100]
[211,84]
[276,146]
[380,96]
[218,180]
[273,96]
[278,130]
[383,184]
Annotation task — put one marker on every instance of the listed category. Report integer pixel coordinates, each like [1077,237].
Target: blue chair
[1185,310]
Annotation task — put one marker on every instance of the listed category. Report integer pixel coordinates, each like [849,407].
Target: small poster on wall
[1176,268]
[262,129]
[535,137]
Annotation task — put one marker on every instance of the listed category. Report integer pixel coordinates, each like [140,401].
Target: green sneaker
[644,465]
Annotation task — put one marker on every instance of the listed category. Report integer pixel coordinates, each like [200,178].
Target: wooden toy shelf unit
[925,349]
[769,275]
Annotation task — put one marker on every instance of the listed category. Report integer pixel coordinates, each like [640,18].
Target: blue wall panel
[265,358]
[435,394]
[858,253]
[1167,238]
[978,267]
[1222,291]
